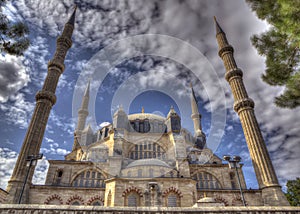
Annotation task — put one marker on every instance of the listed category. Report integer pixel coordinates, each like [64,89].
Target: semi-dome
[148,162]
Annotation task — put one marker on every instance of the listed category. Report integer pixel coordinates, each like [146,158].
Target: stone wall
[63,209]
[3,196]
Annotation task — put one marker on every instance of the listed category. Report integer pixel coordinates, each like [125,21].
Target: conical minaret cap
[218,28]
[193,93]
[87,90]
[71,20]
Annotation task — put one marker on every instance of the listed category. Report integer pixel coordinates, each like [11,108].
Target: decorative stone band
[174,190]
[65,41]
[132,189]
[233,73]
[95,198]
[243,103]
[83,111]
[196,116]
[58,66]
[48,95]
[225,49]
[53,197]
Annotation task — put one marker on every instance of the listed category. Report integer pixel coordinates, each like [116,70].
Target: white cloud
[188,20]
[40,173]
[54,149]
[8,160]
[18,113]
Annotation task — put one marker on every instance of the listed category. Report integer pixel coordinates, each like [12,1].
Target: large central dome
[142,116]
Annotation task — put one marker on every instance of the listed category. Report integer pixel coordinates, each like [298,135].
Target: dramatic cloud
[8,160]
[13,76]
[40,173]
[18,112]
[99,23]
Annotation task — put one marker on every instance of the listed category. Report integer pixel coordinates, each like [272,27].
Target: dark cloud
[13,76]
[100,23]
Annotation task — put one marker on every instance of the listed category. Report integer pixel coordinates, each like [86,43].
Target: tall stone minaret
[45,99]
[244,106]
[83,112]
[196,117]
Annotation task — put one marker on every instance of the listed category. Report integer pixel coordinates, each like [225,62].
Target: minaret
[196,117]
[83,112]
[244,106]
[45,99]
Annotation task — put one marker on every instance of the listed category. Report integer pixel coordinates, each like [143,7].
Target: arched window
[109,195]
[140,173]
[147,150]
[141,126]
[132,200]
[89,178]
[172,197]
[97,203]
[75,203]
[206,181]
[58,177]
[172,200]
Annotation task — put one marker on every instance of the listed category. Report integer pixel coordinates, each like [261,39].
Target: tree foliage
[293,192]
[13,35]
[280,45]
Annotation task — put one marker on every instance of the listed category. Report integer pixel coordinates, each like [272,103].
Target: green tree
[13,36]
[280,45]
[293,192]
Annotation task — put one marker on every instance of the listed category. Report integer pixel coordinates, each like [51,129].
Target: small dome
[207,200]
[148,162]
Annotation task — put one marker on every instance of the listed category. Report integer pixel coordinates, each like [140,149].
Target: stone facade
[65,209]
[142,160]
[3,196]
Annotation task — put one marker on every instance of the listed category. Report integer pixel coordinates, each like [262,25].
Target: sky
[142,54]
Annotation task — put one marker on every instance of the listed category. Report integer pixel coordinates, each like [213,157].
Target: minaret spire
[218,28]
[196,117]
[45,99]
[71,20]
[83,112]
[244,106]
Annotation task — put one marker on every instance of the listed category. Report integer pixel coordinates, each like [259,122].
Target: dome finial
[143,109]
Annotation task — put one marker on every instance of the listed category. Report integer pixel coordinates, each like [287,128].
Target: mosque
[143,159]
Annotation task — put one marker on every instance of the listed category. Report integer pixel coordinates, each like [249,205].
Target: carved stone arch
[54,198]
[220,199]
[89,169]
[172,189]
[75,198]
[94,199]
[172,197]
[218,177]
[132,189]
[89,177]
[237,201]
[132,196]
[214,176]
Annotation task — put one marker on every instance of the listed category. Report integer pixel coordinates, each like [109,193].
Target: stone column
[244,106]
[45,99]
